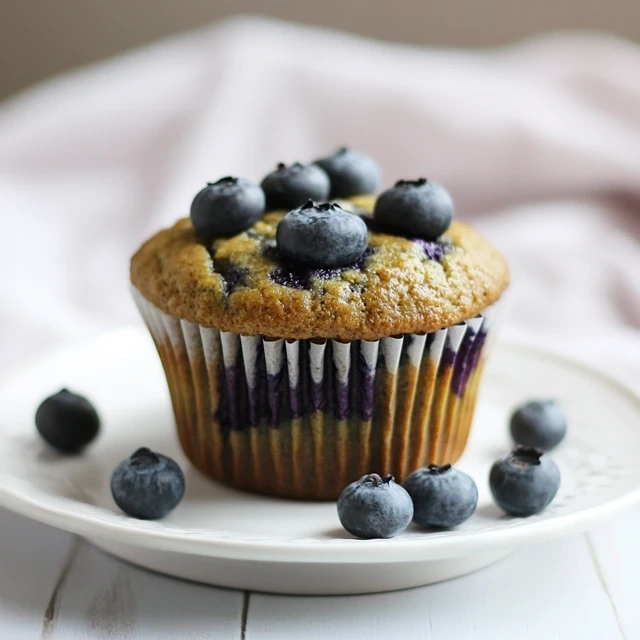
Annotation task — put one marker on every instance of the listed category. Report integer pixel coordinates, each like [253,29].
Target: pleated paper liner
[304,418]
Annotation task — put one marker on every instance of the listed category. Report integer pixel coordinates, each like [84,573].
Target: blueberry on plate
[414,208]
[67,421]
[321,235]
[538,423]
[443,497]
[375,507]
[524,482]
[351,173]
[147,485]
[227,207]
[289,187]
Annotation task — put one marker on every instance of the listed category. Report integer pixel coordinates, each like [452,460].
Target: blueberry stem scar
[411,183]
[144,453]
[373,478]
[526,456]
[434,469]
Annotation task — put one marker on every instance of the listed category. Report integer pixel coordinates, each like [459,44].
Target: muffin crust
[241,284]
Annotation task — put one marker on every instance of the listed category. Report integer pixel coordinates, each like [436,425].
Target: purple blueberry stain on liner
[243,405]
[429,341]
[295,392]
[295,403]
[273,400]
[342,411]
[448,358]
[230,383]
[461,369]
[476,350]
[274,382]
[464,361]
[409,340]
[256,391]
[318,401]
[366,387]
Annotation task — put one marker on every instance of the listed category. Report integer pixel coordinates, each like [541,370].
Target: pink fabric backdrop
[539,144]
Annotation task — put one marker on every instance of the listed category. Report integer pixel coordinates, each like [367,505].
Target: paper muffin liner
[304,418]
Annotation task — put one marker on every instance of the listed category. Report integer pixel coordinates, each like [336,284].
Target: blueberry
[351,173]
[147,485]
[524,482]
[375,507]
[322,235]
[538,423]
[67,421]
[414,208]
[227,207]
[289,187]
[443,497]
[233,275]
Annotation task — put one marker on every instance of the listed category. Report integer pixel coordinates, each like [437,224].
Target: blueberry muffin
[312,333]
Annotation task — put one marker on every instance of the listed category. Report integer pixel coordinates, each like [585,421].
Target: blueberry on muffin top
[321,235]
[290,187]
[351,173]
[415,208]
[280,261]
[226,207]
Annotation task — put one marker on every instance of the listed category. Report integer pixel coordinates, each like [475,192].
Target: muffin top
[395,276]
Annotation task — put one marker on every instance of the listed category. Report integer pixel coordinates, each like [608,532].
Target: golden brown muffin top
[241,284]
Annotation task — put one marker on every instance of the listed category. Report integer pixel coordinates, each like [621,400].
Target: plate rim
[343,550]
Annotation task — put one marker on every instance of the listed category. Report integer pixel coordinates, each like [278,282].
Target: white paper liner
[231,393]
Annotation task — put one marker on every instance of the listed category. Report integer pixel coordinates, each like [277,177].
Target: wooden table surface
[54,585]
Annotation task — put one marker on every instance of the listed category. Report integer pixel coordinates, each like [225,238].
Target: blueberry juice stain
[296,276]
[233,275]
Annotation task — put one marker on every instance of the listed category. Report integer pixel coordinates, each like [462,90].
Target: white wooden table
[54,585]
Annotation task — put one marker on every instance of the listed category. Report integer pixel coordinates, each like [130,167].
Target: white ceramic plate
[236,539]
